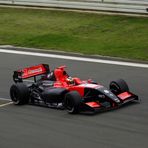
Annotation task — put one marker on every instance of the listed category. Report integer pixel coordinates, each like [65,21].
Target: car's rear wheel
[118,86]
[72,102]
[19,94]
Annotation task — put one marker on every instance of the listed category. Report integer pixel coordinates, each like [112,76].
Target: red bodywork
[125,95]
[79,85]
[61,81]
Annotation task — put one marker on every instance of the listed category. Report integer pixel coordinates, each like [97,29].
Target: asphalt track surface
[35,127]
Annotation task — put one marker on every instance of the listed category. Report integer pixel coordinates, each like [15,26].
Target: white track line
[6,104]
[56,56]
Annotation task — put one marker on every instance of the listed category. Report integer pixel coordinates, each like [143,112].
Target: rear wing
[29,72]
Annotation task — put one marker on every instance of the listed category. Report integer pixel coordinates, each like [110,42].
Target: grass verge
[117,36]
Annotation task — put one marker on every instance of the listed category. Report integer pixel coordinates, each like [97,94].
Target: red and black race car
[57,89]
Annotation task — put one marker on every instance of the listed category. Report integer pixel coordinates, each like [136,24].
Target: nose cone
[109,94]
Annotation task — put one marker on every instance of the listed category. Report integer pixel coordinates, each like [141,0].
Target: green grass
[118,36]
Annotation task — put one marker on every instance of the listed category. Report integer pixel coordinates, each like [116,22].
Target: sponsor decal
[111,95]
[35,70]
[106,91]
[32,71]
[91,86]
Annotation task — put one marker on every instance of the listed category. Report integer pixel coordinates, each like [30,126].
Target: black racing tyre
[72,102]
[118,86]
[19,94]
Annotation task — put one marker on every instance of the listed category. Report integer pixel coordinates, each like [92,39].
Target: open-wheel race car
[56,89]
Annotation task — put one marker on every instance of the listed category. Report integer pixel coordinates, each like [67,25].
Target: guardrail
[125,6]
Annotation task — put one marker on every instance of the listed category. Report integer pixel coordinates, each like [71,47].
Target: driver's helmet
[70,80]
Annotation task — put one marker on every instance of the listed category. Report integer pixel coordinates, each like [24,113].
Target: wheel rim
[114,88]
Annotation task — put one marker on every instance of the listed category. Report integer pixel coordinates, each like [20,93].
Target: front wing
[124,98]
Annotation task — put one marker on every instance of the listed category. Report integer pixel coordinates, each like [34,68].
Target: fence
[125,6]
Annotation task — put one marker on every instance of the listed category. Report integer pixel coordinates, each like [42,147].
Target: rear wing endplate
[29,72]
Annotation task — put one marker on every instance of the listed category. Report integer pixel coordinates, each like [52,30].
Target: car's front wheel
[118,86]
[19,94]
[72,102]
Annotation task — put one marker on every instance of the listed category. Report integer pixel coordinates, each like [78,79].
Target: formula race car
[56,89]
